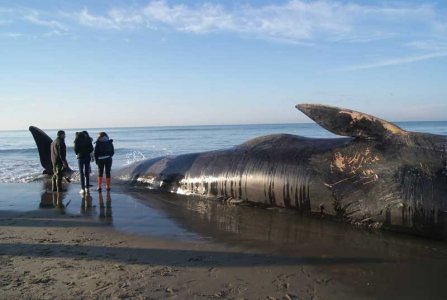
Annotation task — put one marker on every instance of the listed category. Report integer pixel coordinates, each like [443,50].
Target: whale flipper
[43,142]
[348,122]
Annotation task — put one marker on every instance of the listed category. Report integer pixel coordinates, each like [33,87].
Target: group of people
[101,153]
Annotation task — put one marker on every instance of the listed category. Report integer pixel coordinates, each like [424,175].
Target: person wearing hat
[59,161]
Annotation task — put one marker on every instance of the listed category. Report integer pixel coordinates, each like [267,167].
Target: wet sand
[133,243]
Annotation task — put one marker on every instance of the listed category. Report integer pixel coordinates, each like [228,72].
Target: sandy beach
[105,247]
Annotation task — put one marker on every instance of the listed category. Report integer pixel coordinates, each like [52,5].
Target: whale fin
[347,122]
[43,142]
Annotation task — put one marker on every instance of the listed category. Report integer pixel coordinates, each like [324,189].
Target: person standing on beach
[59,161]
[104,152]
[83,148]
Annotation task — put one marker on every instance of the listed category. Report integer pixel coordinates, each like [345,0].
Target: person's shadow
[105,209]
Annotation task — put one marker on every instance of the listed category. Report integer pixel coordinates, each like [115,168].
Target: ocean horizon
[399,123]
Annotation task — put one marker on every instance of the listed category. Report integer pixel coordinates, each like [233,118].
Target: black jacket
[104,147]
[58,152]
[83,146]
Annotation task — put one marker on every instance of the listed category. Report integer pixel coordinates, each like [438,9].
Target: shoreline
[157,246]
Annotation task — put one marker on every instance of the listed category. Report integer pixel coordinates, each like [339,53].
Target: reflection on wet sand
[86,205]
[49,199]
[105,211]
[277,228]
[53,200]
[413,265]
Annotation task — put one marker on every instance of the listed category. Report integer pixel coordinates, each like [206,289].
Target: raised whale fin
[348,122]
[43,142]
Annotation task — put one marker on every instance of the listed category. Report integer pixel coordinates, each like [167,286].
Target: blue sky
[68,64]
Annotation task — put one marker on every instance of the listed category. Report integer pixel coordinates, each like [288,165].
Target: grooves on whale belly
[271,170]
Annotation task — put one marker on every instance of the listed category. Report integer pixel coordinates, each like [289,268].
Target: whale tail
[43,142]
[347,122]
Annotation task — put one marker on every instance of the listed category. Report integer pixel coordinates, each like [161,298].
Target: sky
[113,63]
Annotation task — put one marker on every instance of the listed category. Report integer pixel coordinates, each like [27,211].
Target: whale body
[378,175]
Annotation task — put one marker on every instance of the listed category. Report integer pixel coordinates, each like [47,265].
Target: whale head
[388,168]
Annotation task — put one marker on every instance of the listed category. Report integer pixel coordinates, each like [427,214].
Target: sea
[19,158]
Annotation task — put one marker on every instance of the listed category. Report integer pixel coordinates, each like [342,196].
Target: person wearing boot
[59,161]
[104,152]
[83,148]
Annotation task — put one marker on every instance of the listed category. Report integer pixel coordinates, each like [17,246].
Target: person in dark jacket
[59,161]
[104,152]
[83,148]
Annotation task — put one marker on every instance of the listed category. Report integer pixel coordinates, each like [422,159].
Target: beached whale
[379,175]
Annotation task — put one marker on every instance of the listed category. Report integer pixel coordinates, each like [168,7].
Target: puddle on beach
[377,262]
[117,209]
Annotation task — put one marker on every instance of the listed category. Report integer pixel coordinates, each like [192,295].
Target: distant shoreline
[205,125]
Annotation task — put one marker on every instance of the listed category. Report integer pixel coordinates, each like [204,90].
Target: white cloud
[293,21]
[87,19]
[125,19]
[45,22]
[10,35]
[392,62]
[430,45]
[202,19]
[36,18]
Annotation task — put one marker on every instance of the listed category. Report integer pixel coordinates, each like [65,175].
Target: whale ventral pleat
[348,122]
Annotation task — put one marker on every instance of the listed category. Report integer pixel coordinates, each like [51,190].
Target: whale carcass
[377,175]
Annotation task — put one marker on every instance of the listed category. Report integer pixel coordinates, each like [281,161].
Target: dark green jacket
[58,152]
